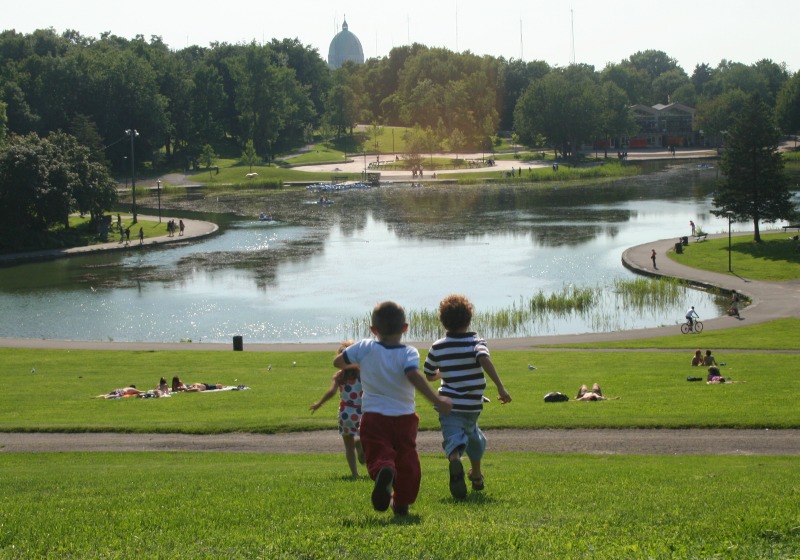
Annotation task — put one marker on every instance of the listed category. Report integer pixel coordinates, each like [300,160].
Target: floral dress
[349,405]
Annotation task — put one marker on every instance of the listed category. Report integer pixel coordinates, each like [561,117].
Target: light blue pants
[460,430]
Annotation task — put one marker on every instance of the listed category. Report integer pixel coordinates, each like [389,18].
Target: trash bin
[678,249]
[238,343]
[685,240]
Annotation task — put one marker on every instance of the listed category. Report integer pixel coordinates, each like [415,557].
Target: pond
[315,273]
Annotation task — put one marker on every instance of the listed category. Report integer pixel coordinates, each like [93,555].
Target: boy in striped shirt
[459,360]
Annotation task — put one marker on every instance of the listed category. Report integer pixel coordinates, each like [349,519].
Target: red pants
[391,441]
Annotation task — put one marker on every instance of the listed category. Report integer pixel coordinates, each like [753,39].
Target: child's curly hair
[455,312]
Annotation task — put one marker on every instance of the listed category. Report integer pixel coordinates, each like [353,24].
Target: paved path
[601,441]
[356,164]
[193,229]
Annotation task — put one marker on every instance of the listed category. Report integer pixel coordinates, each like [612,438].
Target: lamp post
[729,214]
[133,134]
[158,189]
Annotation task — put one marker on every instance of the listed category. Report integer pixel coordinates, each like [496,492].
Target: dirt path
[597,441]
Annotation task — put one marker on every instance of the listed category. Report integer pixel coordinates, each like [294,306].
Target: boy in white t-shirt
[389,374]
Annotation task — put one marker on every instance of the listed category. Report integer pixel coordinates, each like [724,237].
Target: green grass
[775,259]
[232,505]
[210,505]
[653,387]
[780,334]
[610,169]
[270,177]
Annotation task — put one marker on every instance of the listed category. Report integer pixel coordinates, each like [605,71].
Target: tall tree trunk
[756,231]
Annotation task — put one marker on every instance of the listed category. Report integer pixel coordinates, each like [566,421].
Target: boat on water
[264,217]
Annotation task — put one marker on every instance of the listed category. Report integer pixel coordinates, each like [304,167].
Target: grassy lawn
[231,505]
[211,505]
[776,258]
[780,334]
[65,381]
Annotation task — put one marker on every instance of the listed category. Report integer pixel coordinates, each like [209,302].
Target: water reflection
[316,272]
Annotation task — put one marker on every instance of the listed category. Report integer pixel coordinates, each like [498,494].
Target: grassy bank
[209,505]
[775,259]
[652,385]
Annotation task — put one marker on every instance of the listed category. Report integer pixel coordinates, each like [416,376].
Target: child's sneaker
[399,511]
[477,483]
[458,488]
[382,493]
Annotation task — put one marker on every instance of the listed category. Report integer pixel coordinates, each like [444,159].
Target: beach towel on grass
[228,388]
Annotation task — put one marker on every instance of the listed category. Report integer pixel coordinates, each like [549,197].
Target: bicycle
[686,328]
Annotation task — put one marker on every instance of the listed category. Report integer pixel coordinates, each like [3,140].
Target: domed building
[345,47]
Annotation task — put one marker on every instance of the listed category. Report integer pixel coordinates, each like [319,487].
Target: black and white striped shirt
[456,358]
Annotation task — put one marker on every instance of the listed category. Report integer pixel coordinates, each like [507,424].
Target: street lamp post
[158,189]
[133,134]
[729,214]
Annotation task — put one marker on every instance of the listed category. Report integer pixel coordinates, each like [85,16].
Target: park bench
[699,238]
[787,228]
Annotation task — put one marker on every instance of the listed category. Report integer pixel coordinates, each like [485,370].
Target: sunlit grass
[212,505]
[776,258]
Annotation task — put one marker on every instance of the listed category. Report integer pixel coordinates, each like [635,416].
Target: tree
[456,141]
[207,157]
[249,156]
[755,186]
[564,106]
[787,110]
[42,180]
[3,121]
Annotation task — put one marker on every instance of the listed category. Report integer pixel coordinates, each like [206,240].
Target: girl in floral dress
[348,383]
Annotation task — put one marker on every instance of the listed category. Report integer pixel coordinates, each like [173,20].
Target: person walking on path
[653,258]
[141,236]
[734,309]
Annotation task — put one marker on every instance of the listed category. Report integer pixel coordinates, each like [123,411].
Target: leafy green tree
[249,155]
[615,118]
[715,116]
[755,186]
[3,122]
[787,109]
[208,156]
[42,180]
[457,141]
[564,106]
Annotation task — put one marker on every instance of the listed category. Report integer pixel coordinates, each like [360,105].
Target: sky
[559,33]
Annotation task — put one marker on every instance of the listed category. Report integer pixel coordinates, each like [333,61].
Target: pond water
[314,275]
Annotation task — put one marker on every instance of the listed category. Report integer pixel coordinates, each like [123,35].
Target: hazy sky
[591,32]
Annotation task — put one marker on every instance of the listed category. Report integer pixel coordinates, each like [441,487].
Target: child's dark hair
[388,318]
[455,312]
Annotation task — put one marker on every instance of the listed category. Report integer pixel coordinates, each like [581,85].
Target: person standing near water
[653,258]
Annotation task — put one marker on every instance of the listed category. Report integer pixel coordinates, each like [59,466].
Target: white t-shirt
[387,390]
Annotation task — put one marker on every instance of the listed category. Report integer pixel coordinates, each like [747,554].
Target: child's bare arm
[488,367]
[339,362]
[328,394]
[442,404]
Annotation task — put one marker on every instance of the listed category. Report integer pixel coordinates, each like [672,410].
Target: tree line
[262,99]
[279,94]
